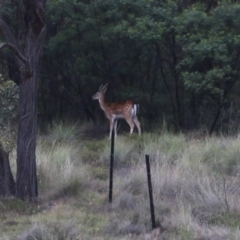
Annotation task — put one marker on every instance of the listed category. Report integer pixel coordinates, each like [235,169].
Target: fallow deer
[118,110]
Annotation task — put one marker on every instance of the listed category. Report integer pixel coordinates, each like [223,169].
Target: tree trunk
[26,143]
[7,184]
[32,37]
[32,13]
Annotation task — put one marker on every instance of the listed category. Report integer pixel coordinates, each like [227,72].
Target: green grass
[195,188]
[230,219]
[64,131]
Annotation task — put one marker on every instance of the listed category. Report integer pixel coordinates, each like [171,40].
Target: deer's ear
[104,88]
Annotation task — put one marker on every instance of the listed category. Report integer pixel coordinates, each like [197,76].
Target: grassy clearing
[195,185]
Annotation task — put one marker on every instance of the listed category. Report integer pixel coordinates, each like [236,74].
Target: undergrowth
[195,186]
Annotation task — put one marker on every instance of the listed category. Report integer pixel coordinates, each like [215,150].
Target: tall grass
[195,185]
[65,231]
[194,182]
[64,132]
[60,169]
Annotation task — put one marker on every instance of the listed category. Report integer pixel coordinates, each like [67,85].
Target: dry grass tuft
[58,231]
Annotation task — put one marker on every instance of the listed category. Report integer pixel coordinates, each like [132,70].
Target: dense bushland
[178,59]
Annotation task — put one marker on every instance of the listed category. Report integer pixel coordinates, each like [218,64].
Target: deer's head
[101,91]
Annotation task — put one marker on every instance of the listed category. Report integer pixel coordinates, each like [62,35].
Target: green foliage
[210,44]
[8,101]
[179,60]
[115,41]
[8,113]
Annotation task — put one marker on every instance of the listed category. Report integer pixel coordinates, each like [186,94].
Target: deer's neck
[102,103]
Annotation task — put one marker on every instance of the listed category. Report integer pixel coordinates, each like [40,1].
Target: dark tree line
[178,59]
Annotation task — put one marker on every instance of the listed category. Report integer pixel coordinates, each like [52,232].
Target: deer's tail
[135,109]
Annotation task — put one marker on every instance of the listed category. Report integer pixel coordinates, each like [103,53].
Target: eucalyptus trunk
[28,50]
[33,20]
[7,184]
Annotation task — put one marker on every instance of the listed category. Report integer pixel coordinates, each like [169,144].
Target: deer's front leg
[111,127]
[115,127]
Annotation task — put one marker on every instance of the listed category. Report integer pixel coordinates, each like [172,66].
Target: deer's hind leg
[131,124]
[137,123]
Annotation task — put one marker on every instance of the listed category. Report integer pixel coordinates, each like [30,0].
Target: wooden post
[111,167]
[150,191]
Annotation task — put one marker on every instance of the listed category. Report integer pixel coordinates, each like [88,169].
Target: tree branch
[16,51]
[8,35]
[11,41]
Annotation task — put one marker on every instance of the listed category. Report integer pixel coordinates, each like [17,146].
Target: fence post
[150,191]
[111,167]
